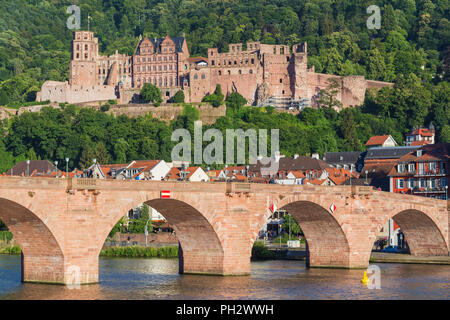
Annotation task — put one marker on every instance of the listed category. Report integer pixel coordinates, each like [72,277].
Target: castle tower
[83,66]
[300,54]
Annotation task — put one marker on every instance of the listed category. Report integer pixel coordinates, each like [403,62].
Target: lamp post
[67,168]
[446,194]
[56,167]
[146,231]
[28,168]
[367,171]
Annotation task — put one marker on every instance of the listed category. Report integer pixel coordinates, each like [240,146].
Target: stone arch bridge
[61,225]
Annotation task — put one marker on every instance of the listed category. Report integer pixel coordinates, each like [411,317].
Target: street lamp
[446,194]
[146,231]
[67,168]
[56,167]
[367,171]
[28,168]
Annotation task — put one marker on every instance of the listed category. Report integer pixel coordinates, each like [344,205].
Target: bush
[6,236]
[105,108]
[140,252]
[11,250]
[260,251]
[112,102]
[178,97]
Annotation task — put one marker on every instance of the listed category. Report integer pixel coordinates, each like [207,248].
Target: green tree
[151,93]
[235,101]
[289,224]
[215,99]
[178,97]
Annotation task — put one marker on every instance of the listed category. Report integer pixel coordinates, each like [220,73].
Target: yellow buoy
[365,280]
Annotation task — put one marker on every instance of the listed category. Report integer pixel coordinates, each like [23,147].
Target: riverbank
[384,257]
[140,252]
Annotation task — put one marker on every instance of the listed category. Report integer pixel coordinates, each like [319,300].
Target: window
[281,80]
[240,71]
[411,183]
[421,168]
[203,76]
[400,184]
[251,71]
[220,73]
[411,167]
[212,62]
[253,61]
[282,50]
[401,168]
[421,183]
[195,77]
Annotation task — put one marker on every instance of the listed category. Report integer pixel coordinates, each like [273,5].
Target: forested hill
[414,35]
[411,49]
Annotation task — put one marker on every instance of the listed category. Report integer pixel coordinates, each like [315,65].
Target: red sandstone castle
[264,74]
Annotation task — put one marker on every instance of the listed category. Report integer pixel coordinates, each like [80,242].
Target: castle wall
[63,92]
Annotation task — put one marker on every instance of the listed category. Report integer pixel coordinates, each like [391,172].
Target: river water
[122,278]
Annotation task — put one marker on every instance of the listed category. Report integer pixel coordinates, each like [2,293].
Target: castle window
[165,81]
[165,58]
[170,67]
[159,68]
[78,56]
[154,68]
[235,62]
[232,48]
[85,47]
[229,62]
[212,62]
[275,50]
[203,76]
[287,59]
[240,71]
[138,69]
[229,72]
[85,55]
[251,71]
[282,50]
[159,58]
[167,94]
[170,58]
[212,53]
[282,92]
[138,59]
[195,77]
[281,80]
[165,67]
[160,81]
[78,47]
[154,58]
[220,73]
[253,61]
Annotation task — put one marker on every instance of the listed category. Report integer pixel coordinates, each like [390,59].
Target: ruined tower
[83,66]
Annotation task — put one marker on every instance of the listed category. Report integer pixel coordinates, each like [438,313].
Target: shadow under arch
[42,257]
[327,244]
[201,251]
[422,234]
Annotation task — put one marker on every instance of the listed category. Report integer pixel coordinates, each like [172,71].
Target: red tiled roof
[147,164]
[298,174]
[377,140]
[422,132]
[419,143]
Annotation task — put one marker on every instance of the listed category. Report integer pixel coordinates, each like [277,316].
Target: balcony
[417,190]
[433,172]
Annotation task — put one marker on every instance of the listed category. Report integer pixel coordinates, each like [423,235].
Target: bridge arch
[42,256]
[327,243]
[421,231]
[201,250]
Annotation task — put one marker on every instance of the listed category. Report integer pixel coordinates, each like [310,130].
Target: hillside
[411,49]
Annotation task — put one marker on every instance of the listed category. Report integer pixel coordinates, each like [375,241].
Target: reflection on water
[122,278]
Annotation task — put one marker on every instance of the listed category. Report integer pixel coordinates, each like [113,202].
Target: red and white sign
[332,208]
[273,207]
[165,194]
